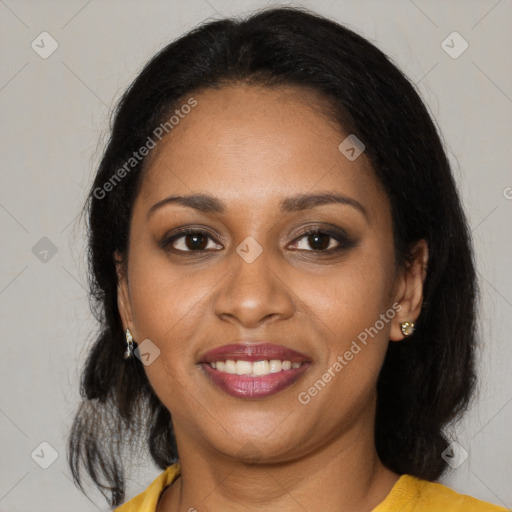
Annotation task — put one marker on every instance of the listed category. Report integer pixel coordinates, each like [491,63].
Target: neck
[344,473]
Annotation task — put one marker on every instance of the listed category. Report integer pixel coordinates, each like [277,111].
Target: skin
[251,147]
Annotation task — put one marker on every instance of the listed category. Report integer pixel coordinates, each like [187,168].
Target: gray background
[55,115]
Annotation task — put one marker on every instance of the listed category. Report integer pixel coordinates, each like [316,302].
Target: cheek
[351,298]
[353,312]
[167,301]
[355,341]
[168,306]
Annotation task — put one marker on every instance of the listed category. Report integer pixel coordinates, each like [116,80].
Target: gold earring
[129,344]
[407,328]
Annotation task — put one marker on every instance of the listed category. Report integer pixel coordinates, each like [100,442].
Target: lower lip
[244,386]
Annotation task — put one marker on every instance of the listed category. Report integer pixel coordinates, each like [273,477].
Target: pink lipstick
[253,370]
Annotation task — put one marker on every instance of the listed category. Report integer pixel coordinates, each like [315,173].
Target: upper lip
[252,351]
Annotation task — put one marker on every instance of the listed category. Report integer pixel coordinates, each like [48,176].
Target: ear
[410,290]
[123,296]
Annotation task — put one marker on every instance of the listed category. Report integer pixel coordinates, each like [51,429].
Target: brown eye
[320,241]
[189,240]
[324,241]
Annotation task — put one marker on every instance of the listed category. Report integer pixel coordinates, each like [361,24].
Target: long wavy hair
[426,383]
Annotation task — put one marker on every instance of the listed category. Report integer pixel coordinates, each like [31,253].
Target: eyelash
[343,241]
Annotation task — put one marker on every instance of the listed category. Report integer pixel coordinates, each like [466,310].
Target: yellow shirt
[409,494]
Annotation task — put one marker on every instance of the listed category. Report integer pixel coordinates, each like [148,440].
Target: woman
[284,280]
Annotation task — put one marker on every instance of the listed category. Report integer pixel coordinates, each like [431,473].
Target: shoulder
[147,500]
[435,494]
[411,494]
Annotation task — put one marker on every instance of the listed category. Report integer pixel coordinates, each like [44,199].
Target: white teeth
[230,366]
[253,369]
[243,367]
[275,366]
[261,368]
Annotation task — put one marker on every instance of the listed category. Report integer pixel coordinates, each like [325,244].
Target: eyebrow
[210,204]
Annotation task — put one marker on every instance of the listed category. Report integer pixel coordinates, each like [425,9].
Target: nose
[254,293]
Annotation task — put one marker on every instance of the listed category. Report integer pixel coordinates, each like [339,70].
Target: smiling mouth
[253,370]
[251,385]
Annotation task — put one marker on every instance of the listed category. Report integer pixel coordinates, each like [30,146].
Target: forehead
[245,142]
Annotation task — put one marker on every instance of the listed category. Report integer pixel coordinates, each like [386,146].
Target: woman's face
[251,276]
